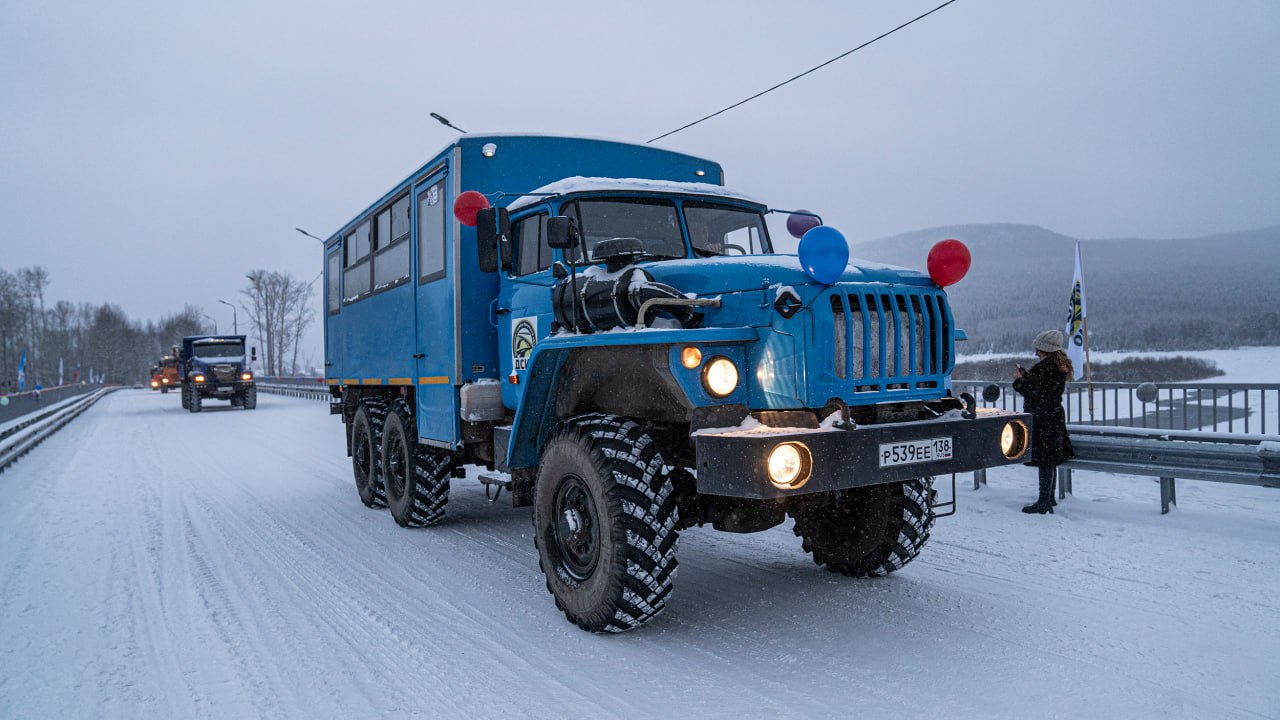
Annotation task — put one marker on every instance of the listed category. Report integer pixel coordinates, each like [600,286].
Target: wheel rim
[576,528]
[396,466]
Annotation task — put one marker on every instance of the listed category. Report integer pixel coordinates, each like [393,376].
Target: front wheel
[604,518]
[250,399]
[164,389]
[195,403]
[867,531]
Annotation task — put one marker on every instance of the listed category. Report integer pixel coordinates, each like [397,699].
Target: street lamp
[313,237]
[212,320]
[235,323]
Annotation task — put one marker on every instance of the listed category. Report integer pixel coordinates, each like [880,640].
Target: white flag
[59,371]
[1075,321]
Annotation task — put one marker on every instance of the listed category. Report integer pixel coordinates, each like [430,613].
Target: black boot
[1043,504]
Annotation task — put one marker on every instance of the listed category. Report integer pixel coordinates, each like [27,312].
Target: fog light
[165,381]
[199,378]
[246,376]
[1013,439]
[691,357]
[720,377]
[790,465]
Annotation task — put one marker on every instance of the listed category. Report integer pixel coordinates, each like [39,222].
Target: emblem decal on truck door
[524,335]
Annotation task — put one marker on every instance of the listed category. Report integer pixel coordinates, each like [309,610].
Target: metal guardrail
[1208,406]
[19,404]
[1185,432]
[20,440]
[1240,459]
[309,391]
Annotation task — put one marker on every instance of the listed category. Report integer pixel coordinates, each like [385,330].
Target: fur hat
[1049,341]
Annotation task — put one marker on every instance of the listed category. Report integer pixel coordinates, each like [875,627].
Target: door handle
[419,356]
[502,311]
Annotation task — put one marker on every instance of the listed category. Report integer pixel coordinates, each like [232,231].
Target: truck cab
[611,334]
[166,373]
[216,367]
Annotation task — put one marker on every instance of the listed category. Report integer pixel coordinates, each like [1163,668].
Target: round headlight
[790,465]
[691,357]
[720,377]
[1013,439]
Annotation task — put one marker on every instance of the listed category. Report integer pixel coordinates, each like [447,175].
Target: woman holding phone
[1041,388]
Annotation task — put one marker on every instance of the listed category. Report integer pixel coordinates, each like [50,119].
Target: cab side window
[532,252]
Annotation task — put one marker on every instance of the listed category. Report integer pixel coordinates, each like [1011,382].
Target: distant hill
[1196,293]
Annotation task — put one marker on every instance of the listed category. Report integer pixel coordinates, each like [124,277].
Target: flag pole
[1084,326]
[1088,378]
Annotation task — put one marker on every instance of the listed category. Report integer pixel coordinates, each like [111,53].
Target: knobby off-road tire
[415,477]
[186,402]
[604,519]
[194,402]
[366,453]
[250,399]
[869,530]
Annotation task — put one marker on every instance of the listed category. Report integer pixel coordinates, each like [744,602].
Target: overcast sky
[151,153]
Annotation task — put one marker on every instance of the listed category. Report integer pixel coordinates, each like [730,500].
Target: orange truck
[165,375]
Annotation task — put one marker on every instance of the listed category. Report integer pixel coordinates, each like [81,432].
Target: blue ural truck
[608,331]
[216,367]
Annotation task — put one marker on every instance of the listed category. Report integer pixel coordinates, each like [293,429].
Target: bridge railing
[1205,406]
[15,405]
[1220,432]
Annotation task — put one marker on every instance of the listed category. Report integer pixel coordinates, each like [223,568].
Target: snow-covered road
[157,564]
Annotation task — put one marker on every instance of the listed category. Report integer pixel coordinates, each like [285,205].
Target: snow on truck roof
[598,184]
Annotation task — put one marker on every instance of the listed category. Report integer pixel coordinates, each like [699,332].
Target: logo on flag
[22,372]
[1076,314]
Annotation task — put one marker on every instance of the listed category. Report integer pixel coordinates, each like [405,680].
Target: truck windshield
[653,222]
[218,351]
[725,230]
[714,229]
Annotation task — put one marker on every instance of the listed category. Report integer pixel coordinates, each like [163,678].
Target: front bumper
[734,462]
[221,390]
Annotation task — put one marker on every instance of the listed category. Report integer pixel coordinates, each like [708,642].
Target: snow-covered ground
[157,564]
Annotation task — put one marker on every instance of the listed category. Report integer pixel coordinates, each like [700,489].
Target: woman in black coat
[1041,388]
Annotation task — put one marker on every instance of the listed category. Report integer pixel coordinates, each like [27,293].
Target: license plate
[915,451]
[224,388]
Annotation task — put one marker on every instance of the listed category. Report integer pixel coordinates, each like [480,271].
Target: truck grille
[224,373]
[890,337]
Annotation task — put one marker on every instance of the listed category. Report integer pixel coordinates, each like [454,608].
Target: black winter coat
[1041,389]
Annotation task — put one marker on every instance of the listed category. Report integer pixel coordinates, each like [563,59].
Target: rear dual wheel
[366,453]
[415,477]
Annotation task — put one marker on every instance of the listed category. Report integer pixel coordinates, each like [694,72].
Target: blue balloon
[824,254]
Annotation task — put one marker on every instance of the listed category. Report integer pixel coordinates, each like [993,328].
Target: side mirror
[562,233]
[253,354]
[493,228]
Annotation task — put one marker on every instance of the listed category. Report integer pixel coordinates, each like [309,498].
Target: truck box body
[369,338]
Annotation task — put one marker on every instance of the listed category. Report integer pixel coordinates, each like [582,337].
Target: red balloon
[948,262]
[467,205]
